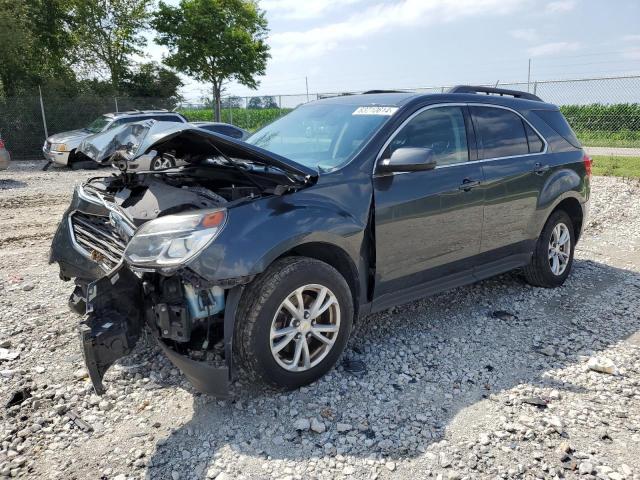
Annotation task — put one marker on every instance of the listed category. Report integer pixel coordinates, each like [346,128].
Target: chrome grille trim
[95,238]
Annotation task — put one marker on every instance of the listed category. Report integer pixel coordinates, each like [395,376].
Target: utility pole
[44,118]
[529,77]
[306,81]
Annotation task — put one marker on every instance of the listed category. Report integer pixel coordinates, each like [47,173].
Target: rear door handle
[540,169]
[467,184]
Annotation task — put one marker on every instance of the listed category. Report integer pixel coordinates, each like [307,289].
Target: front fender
[259,232]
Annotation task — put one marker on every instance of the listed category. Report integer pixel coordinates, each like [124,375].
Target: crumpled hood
[136,139]
[73,136]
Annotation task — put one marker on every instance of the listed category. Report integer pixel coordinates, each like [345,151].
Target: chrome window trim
[469,162]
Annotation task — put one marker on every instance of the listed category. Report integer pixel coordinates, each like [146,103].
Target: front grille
[98,239]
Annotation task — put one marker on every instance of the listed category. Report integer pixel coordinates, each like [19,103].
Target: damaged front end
[128,242]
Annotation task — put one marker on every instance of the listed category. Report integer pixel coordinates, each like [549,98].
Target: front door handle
[467,184]
[540,169]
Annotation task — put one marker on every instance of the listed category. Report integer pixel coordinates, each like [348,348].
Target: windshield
[98,124]
[322,136]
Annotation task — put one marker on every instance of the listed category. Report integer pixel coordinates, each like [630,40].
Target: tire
[540,272]
[261,307]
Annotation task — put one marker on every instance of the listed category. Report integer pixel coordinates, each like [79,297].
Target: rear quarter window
[556,121]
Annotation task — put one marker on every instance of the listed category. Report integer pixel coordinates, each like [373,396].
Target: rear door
[428,224]
[514,170]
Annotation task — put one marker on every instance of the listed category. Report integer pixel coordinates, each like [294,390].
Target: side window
[441,129]
[501,132]
[535,142]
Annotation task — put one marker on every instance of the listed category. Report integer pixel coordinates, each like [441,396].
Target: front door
[428,224]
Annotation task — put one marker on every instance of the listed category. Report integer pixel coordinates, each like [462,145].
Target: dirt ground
[494,380]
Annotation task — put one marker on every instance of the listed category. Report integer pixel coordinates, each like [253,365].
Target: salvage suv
[62,148]
[267,252]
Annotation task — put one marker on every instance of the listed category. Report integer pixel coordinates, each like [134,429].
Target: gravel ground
[493,380]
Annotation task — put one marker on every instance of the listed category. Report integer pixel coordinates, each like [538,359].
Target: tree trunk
[216,102]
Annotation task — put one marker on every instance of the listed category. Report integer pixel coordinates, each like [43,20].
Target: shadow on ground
[8,184]
[434,357]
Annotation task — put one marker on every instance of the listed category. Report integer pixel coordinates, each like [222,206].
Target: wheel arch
[336,257]
[572,207]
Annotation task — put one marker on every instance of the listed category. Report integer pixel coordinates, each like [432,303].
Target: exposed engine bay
[127,239]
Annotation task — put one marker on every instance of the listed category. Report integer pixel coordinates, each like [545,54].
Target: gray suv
[61,148]
[266,252]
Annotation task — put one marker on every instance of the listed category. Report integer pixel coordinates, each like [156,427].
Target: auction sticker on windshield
[388,111]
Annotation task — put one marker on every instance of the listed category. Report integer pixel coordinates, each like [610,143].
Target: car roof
[213,123]
[399,99]
[139,112]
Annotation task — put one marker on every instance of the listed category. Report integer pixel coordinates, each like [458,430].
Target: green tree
[255,103]
[215,41]
[108,32]
[35,42]
[152,80]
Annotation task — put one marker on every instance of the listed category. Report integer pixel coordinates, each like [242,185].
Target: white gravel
[551,390]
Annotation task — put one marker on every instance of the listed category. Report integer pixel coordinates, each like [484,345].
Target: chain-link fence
[25,122]
[604,112]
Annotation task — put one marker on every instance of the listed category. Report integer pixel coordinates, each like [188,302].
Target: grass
[610,166]
[248,119]
[622,138]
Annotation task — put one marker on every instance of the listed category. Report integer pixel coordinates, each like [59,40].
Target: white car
[61,148]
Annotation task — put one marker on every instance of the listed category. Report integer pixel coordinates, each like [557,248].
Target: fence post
[44,118]
[115,99]
[535,88]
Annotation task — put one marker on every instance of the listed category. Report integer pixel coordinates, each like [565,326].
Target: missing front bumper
[116,308]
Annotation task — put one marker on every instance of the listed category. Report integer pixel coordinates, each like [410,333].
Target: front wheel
[162,162]
[553,256]
[293,322]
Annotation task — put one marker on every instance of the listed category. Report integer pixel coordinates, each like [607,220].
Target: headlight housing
[59,147]
[173,240]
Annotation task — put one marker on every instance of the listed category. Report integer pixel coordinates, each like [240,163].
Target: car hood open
[136,139]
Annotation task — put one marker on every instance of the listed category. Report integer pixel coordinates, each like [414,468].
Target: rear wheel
[293,322]
[553,256]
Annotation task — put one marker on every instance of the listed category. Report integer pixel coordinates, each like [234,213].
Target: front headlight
[59,147]
[174,239]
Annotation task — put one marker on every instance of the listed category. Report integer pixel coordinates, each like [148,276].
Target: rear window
[502,132]
[224,130]
[556,120]
[168,118]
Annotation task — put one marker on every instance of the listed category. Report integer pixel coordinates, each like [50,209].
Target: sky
[355,45]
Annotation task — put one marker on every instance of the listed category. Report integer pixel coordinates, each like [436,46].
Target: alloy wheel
[305,328]
[160,163]
[559,249]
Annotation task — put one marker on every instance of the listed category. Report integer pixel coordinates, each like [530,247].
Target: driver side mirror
[408,159]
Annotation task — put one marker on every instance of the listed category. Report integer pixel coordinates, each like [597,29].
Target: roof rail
[369,92]
[495,91]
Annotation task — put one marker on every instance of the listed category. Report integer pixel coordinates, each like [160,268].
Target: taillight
[1,143]
[587,164]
